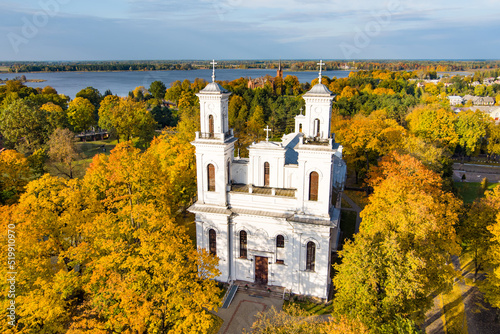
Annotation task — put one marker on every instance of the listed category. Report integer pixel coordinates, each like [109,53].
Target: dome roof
[213,88]
[319,89]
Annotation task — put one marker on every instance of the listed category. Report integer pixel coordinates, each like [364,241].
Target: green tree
[92,94]
[81,114]
[23,126]
[158,90]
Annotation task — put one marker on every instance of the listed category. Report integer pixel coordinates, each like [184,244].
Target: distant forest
[293,65]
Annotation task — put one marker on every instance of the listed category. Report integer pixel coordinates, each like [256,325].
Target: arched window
[243,244]
[313,186]
[211,125]
[300,127]
[310,256]
[211,177]
[280,241]
[266,174]
[317,127]
[212,242]
[280,251]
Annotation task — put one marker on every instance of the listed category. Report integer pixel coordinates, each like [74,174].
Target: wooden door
[261,264]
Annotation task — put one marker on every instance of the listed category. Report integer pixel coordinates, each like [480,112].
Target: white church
[271,218]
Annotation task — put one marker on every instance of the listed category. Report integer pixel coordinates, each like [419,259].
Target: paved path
[475,173]
[479,315]
[241,313]
[434,318]
[354,207]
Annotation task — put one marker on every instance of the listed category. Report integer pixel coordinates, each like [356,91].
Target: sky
[71,30]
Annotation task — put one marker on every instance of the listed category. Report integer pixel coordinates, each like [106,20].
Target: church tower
[279,72]
[316,122]
[214,144]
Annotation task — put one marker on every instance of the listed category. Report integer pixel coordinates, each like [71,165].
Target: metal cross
[320,64]
[267,132]
[213,70]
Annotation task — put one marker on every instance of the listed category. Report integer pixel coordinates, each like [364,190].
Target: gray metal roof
[319,89]
[213,88]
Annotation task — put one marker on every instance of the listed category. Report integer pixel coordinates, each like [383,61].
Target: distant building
[479,100]
[261,81]
[455,100]
[492,111]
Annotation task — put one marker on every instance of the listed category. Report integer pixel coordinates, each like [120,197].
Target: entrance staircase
[260,290]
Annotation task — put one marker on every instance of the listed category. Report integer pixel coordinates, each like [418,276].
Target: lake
[120,83]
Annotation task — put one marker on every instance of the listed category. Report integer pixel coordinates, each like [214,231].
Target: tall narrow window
[313,186]
[211,177]
[243,244]
[280,251]
[266,174]
[280,241]
[211,125]
[228,172]
[317,127]
[300,127]
[212,242]
[311,256]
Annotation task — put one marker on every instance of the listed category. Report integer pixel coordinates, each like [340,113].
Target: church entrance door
[261,270]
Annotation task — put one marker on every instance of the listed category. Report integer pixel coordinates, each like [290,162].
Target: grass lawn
[348,223]
[310,307]
[469,191]
[91,148]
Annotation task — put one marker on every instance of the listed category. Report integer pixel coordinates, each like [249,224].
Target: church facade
[272,218]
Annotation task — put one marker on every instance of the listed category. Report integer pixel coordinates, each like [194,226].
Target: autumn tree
[434,124]
[56,116]
[63,151]
[401,255]
[104,254]
[474,229]
[14,175]
[81,114]
[365,139]
[471,129]
[491,286]
[46,221]
[493,145]
[135,240]
[255,125]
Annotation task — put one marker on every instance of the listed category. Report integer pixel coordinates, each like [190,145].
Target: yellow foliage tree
[401,255]
[14,175]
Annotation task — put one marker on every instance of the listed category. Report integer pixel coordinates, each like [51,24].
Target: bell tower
[316,122]
[214,144]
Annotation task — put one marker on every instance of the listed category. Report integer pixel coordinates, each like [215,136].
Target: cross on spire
[213,70]
[320,64]
[267,132]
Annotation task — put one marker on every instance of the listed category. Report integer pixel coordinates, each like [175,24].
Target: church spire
[320,64]
[213,70]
